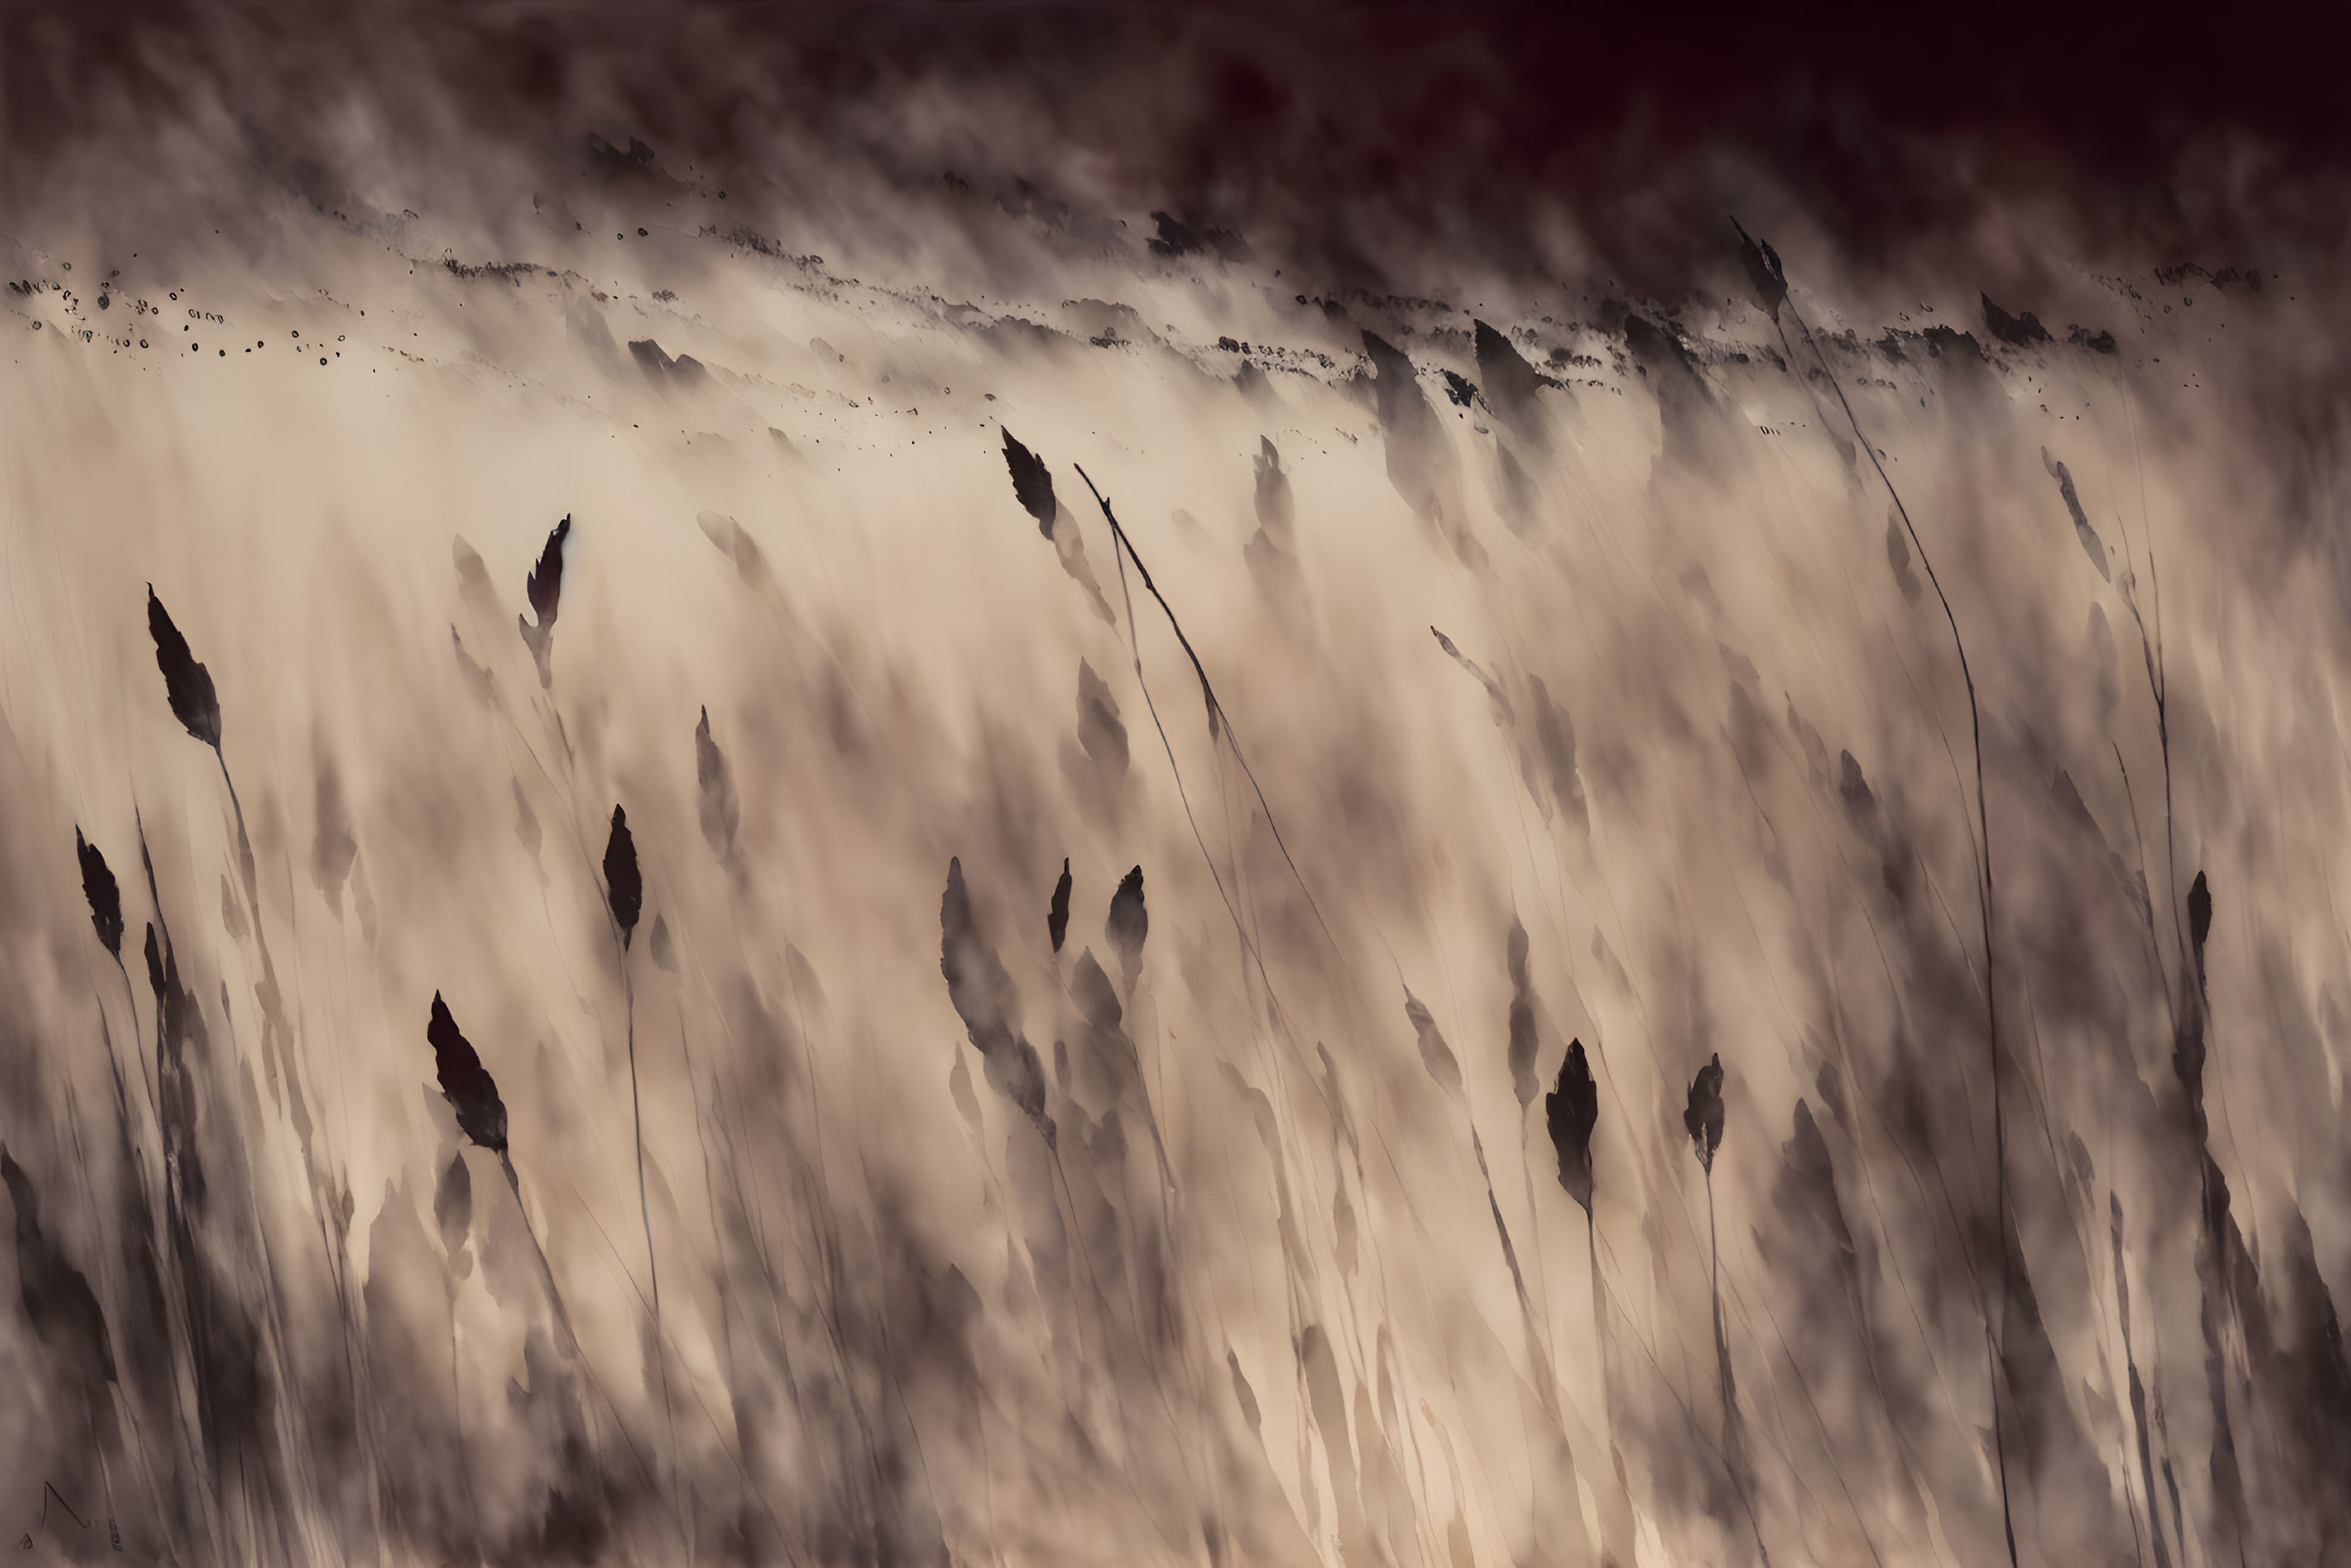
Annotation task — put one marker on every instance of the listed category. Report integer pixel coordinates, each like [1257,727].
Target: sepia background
[1615,574]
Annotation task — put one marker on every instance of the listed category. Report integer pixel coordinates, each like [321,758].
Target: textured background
[850,1215]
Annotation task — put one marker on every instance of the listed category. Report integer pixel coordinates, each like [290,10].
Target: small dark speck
[620,237]
[322,359]
[641,234]
[142,342]
[223,353]
[298,332]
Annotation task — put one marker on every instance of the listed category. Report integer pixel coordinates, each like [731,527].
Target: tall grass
[1769,280]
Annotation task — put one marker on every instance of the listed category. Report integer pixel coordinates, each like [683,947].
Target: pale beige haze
[1235,1233]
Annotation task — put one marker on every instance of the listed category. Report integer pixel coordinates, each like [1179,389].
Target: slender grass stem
[1984,904]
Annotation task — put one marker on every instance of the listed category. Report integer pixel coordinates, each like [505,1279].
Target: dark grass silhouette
[473,1096]
[1057,916]
[1571,1116]
[235,1332]
[1032,483]
[1703,1118]
[1032,487]
[624,886]
[465,1083]
[1571,1110]
[189,686]
[624,890]
[545,588]
[104,896]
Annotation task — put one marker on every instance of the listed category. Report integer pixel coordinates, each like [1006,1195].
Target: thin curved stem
[645,1217]
[1984,905]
